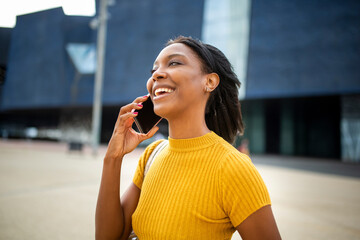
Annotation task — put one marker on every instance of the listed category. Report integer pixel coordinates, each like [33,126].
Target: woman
[199,186]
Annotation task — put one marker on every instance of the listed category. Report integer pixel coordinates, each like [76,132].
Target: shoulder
[231,163]
[147,153]
[238,165]
[241,187]
[234,165]
[149,149]
[139,173]
[230,154]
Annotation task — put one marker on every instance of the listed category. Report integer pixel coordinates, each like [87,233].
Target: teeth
[159,90]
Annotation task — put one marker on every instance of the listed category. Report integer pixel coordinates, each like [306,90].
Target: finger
[141,99]
[125,109]
[130,108]
[136,104]
[152,132]
[124,117]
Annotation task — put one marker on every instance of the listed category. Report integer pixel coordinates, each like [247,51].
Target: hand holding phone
[146,118]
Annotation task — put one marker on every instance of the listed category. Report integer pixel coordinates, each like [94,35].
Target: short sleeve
[243,189]
[139,172]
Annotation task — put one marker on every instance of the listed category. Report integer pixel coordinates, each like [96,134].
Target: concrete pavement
[48,193]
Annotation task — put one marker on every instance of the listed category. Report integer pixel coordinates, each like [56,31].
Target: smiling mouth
[163,91]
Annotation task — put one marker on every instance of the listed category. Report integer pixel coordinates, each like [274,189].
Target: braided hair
[223,110]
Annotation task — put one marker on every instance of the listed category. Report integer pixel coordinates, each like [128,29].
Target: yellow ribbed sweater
[198,188]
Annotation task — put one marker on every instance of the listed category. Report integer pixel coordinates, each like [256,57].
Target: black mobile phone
[146,118]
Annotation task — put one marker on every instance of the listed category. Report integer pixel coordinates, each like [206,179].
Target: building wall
[5,37]
[303,48]
[41,74]
[137,31]
[350,128]
[302,64]
[35,75]
[303,59]
[294,126]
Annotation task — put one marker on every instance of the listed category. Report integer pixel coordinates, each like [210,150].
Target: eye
[174,63]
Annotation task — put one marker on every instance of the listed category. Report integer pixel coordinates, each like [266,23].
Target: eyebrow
[172,56]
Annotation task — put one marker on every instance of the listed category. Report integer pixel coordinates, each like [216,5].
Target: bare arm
[113,217]
[259,225]
[129,203]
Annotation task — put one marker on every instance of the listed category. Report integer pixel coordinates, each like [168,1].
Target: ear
[212,81]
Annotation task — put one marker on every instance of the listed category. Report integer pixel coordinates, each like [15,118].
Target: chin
[162,111]
[159,111]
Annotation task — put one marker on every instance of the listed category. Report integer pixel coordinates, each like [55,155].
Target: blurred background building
[298,62]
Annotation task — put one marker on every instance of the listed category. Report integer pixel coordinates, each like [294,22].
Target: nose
[158,74]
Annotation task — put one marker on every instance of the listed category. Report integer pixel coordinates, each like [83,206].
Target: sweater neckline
[190,144]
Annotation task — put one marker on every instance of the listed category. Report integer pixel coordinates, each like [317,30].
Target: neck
[190,126]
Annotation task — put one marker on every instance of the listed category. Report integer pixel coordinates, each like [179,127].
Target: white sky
[9,9]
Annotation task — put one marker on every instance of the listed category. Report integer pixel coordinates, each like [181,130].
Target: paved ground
[48,193]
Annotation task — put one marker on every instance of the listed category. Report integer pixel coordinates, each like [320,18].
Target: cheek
[196,85]
[149,85]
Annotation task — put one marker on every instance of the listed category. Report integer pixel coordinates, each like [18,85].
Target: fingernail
[145,96]
[136,113]
[140,105]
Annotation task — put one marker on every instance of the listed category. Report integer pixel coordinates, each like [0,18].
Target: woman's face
[177,83]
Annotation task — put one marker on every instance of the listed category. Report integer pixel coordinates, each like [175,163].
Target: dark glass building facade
[297,61]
